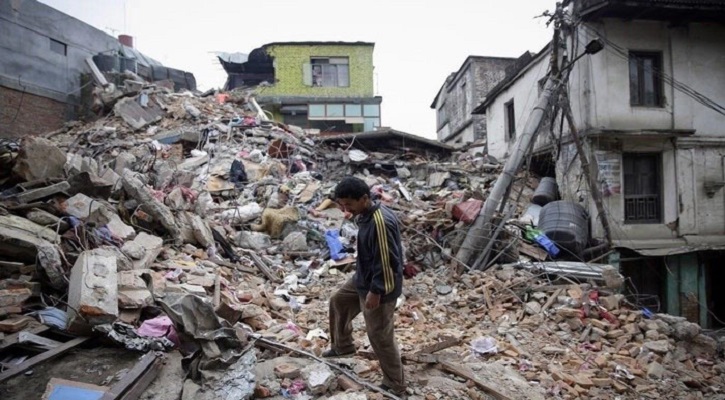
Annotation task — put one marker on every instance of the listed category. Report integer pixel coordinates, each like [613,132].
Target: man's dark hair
[351,187]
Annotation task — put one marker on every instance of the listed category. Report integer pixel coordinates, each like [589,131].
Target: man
[377,283]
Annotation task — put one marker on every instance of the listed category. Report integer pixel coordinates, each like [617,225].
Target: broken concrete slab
[143,250]
[90,184]
[319,378]
[93,289]
[139,191]
[135,115]
[32,195]
[123,162]
[25,241]
[123,262]
[25,225]
[83,207]
[44,218]
[132,290]
[202,232]
[38,159]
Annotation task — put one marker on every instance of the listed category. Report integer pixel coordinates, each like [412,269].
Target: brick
[619,387]
[14,297]
[568,312]
[27,114]
[345,383]
[602,382]
[597,323]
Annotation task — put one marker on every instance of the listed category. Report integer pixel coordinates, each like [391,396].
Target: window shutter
[307,74]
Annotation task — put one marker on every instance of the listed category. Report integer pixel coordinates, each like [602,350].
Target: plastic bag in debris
[332,237]
[484,345]
[357,155]
[52,317]
[126,335]
[159,327]
[237,174]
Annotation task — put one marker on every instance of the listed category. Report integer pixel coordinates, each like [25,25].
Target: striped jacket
[379,254]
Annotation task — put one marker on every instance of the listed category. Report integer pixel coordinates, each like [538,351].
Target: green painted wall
[289,71]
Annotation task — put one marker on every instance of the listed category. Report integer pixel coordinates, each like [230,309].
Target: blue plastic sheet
[332,237]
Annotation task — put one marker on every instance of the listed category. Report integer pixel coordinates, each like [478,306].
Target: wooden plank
[449,342]
[33,361]
[463,373]
[551,300]
[134,376]
[534,252]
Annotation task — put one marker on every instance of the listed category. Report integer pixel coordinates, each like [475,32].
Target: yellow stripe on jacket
[388,277]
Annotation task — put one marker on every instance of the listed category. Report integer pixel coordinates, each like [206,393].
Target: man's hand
[372,301]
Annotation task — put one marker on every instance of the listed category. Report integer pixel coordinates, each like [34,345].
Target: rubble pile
[195,222]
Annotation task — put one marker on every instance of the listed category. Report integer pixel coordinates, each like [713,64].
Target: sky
[417,43]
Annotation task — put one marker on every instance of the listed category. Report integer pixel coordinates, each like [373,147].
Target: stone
[403,172]
[134,299]
[295,241]
[658,346]
[175,200]
[136,115]
[253,240]
[652,335]
[612,278]
[669,319]
[286,371]
[532,307]
[602,382]
[123,262]
[44,218]
[551,350]
[38,159]
[348,396]
[160,212]
[124,161]
[703,346]
[319,378]
[150,245]
[655,370]
[686,330]
[93,289]
[575,324]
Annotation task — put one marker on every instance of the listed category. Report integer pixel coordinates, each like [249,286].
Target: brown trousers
[345,305]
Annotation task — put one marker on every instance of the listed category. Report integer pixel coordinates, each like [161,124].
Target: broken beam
[33,361]
[460,371]
[449,342]
[133,384]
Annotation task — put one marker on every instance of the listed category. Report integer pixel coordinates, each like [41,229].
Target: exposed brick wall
[24,114]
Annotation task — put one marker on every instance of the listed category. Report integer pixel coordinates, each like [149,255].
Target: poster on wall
[610,172]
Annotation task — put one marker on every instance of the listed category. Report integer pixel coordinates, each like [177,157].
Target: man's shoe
[333,353]
[387,388]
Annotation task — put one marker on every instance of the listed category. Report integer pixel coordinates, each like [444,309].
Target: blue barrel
[566,224]
[546,192]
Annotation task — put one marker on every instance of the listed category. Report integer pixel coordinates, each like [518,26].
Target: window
[330,72]
[510,120]
[642,203]
[645,82]
[58,47]
[441,115]
[464,97]
[478,134]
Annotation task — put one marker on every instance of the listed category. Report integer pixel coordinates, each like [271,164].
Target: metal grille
[642,208]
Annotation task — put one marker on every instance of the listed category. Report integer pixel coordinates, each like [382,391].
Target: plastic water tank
[546,192]
[567,224]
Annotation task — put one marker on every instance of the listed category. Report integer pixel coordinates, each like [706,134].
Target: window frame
[56,45]
[509,112]
[638,58]
[656,157]
[323,63]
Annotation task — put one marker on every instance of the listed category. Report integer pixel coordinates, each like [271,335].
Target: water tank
[546,192]
[566,224]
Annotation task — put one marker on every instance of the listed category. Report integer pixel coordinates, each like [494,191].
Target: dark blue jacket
[379,254]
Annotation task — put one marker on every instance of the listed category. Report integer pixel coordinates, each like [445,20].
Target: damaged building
[44,73]
[323,86]
[648,109]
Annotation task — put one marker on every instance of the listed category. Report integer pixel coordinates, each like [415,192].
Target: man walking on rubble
[377,283]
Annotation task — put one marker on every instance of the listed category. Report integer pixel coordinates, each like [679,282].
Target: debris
[93,288]
[39,159]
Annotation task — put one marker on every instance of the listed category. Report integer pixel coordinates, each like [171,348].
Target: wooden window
[510,120]
[645,81]
[642,183]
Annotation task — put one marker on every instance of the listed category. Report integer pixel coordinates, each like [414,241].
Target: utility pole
[480,234]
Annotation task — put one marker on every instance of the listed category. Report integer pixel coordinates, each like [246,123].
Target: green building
[315,85]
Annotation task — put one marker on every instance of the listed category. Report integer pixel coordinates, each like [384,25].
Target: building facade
[325,86]
[649,110]
[460,93]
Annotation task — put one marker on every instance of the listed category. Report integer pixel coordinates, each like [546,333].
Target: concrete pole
[479,234]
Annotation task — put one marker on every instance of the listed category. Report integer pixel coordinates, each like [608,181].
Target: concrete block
[14,297]
[83,207]
[295,241]
[253,240]
[93,289]
[319,378]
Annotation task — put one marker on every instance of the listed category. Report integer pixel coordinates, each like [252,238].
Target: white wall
[525,93]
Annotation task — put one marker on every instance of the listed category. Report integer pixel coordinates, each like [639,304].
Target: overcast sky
[417,42]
